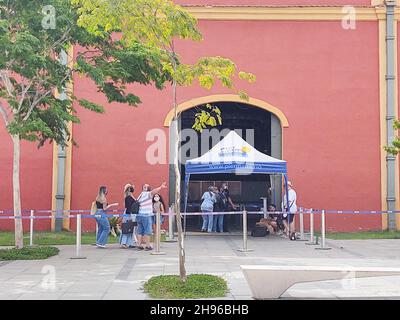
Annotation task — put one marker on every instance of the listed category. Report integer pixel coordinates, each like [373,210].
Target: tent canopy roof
[234,155]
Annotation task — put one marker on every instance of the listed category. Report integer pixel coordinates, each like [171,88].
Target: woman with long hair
[101,217]
[158,207]
[127,240]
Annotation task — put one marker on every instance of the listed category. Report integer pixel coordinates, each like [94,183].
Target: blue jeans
[103,227]
[127,239]
[144,225]
[218,225]
[207,221]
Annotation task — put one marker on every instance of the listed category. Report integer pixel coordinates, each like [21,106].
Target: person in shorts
[144,218]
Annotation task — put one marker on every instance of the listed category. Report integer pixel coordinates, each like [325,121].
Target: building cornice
[284,13]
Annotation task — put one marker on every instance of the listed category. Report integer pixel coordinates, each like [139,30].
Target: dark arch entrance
[257,125]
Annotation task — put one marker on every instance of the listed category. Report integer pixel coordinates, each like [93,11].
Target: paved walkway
[115,273]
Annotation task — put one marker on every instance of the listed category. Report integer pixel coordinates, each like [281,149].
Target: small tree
[158,23]
[31,74]
[394,149]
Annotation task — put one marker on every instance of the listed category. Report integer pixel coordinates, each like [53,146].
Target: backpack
[135,207]
[259,230]
[219,204]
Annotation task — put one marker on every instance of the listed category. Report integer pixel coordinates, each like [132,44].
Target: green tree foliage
[32,74]
[394,149]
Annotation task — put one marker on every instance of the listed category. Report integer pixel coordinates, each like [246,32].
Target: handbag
[127,227]
[135,207]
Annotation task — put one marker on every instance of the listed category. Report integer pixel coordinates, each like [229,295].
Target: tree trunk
[182,269]
[19,243]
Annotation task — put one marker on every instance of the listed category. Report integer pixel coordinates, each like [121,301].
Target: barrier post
[265,209]
[78,237]
[323,247]
[170,225]
[301,221]
[158,236]
[245,249]
[312,240]
[31,229]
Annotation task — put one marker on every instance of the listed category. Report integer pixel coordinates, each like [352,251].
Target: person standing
[103,224]
[127,240]
[219,206]
[289,217]
[228,204]
[158,207]
[207,207]
[145,216]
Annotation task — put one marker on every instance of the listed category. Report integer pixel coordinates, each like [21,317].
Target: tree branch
[7,83]
[4,114]
[24,91]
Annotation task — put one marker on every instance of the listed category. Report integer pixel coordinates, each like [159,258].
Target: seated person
[273,220]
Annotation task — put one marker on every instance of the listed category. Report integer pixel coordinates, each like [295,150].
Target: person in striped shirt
[144,218]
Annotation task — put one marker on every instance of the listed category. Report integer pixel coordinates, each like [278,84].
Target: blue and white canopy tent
[234,155]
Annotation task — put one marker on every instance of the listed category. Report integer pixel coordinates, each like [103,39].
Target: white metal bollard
[245,249]
[78,237]
[301,221]
[170,226]
[265,209]
[323,247]
[31,229]
[312,240]
[157,236]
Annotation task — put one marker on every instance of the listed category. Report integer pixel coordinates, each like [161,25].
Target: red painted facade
[323,78]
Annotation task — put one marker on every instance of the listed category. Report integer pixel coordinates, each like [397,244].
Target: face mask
[156,198]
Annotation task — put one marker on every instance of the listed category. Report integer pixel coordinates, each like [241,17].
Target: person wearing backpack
[207,207]
[101,217]
[128,223]
[219,206]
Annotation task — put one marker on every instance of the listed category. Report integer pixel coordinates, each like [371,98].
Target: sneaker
[140,248]
[100,245]
[148,248]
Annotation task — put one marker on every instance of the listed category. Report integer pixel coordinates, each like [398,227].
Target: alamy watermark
[49,19]
[193,144]
[49,279]
[349,18]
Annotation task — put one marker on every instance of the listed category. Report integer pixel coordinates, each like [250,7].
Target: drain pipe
[390,113]
[61,156]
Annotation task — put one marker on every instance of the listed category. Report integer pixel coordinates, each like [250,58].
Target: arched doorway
[260,124]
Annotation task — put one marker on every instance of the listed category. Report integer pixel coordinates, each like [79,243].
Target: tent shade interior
[233,155]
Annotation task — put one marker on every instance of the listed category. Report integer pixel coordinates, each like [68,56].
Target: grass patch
[56,238]
[33,253]
[50,238]
[363,235]
[197,286]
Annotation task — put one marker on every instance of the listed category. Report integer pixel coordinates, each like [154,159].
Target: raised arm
[157,190]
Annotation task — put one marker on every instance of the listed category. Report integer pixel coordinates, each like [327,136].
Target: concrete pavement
[115,273]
